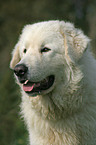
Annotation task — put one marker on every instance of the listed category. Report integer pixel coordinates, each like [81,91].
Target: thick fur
[65,114]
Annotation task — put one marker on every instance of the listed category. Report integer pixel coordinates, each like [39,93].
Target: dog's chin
[43,87]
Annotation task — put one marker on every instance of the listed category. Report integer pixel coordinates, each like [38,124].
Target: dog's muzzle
[30,87]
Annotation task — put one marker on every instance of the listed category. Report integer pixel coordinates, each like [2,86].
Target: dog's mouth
[38,87]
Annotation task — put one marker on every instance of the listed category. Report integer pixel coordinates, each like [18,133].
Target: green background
[14,14]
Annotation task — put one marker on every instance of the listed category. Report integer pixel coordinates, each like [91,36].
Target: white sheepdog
[57,75]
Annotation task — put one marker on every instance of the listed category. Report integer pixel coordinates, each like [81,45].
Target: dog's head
[46,54]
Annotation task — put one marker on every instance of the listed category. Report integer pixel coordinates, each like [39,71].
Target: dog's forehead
[40,32]
[43,26]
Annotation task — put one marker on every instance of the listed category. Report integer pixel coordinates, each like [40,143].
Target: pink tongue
[28,88]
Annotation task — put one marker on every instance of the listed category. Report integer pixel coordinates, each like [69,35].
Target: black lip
[22,81]
[43,86]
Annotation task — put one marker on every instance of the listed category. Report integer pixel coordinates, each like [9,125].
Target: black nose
[20,70]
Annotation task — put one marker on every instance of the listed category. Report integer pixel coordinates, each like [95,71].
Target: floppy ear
[75,42]
[80,44]
[15,56]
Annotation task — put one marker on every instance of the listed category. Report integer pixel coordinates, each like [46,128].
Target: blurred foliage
[14,14]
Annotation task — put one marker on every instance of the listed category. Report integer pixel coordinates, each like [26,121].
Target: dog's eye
[45,49]
[25,50]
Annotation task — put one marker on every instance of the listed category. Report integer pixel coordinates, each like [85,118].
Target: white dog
[57,75]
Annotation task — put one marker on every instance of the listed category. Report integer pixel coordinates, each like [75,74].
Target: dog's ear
[80,43]
[15,56]
[75,42]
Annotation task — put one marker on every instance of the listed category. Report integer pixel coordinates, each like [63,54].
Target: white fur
[66,114]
